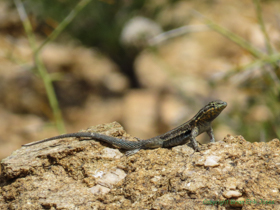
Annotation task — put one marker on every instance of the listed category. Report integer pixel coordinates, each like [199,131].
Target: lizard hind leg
[132,152]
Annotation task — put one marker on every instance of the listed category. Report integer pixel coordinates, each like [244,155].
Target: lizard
[200,123]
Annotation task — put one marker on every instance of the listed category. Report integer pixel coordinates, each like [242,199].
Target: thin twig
[258,63]
[233,37]
[176,32]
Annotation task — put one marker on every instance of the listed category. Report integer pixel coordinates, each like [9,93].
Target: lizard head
[209,112]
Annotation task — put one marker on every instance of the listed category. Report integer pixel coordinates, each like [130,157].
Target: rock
[232,194]
[73,174]
[138,30]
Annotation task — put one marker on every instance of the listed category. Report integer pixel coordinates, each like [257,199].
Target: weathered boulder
[73,174]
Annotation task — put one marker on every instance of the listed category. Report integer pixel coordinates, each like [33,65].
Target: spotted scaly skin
[188,131]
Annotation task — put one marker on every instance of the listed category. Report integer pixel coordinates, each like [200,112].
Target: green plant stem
[63,24]
[41,68]
[262,25]
[258,63]
[268,47]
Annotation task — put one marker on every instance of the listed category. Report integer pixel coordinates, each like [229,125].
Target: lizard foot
[197,149]
[138,139]
[132,152]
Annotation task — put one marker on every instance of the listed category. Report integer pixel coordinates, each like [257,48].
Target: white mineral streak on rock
[112,178]
[98,174]
[106,181]
[212,161]
[98,189]
[111,153]
[200,161]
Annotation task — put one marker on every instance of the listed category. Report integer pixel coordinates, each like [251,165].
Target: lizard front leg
[211,134]
[194,134]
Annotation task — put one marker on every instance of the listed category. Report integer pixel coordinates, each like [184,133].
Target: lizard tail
[124,144]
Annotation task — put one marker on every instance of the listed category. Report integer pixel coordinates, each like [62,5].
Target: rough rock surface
[72,174]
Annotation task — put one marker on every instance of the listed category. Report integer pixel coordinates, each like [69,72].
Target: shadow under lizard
[200,123]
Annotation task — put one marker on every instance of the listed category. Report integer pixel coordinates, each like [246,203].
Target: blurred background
[150,65]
